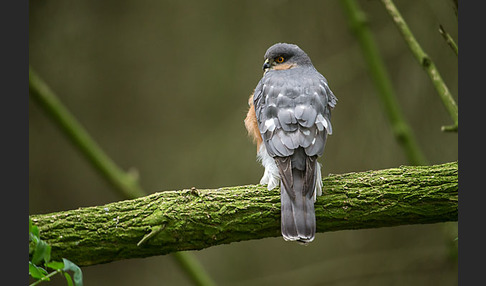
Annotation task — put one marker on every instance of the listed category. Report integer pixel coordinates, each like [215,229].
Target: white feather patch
[322,124]
[271,177]
[269,125]
[318,191]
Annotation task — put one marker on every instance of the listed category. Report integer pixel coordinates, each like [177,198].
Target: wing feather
[294,113]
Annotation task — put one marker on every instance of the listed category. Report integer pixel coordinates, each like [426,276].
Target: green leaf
[56,265]
[68,279]
[33,232]
[42,252]
[77,273]
[36,272]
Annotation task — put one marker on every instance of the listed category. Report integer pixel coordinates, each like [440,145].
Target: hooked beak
[266,64]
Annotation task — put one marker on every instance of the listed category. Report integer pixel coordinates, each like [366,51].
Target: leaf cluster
[40,261]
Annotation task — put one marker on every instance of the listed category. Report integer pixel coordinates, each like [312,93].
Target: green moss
[195,219]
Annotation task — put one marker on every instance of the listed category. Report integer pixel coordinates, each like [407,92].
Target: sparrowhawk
[290,112]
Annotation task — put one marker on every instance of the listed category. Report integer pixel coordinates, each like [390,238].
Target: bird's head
[282,56]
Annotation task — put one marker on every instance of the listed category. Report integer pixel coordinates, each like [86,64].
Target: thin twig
[382,82]
[424,60]
[46,278]
[125,183]
[456,6]
[449,40]
[449,128]
[193,268]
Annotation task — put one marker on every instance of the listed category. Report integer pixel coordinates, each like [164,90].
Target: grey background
[162,86]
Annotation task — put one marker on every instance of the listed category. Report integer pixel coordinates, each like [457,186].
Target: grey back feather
[293,109]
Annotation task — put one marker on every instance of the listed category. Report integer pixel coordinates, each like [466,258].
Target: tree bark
[171,221]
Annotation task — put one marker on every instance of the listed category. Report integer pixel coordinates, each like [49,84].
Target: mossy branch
[171,221]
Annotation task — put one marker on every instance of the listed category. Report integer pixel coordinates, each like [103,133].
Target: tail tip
[300,240]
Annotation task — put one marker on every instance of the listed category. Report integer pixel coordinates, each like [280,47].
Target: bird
[289,119]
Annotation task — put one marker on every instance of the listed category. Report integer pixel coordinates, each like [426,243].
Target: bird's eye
[280,59]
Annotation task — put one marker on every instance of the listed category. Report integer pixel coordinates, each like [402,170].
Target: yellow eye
[280,59]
